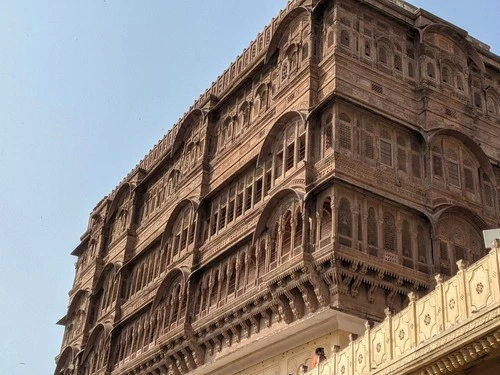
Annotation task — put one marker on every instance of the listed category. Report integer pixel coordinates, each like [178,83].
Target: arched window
[488,193]
[305,51]
[326,222]
[232,278]
[492,107]
[262,258]
[274,246]
[344,38]
[445,75]
[278,160]
[182,235]
[398,63]
[252,266]
[460,83]
[389,231]
[327,133]
[345,132]
[215,289]
[422,249]
[406,243]
[298,230]
[385,148]
[241,272]
[372,229]
[369,141]
[458,239]
[430,70]
[244,115]
[383,55]
[286,245]
[330,38]
[402,153]
[345,222]
[411,70]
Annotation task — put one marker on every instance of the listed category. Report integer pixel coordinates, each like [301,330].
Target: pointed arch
[277,130]
[461,211]
[109,269]
[460,39]
[174,277]
[66,358]
[100,332]
[458,235]
[173,217]
[75,301]
[191,118]
[282,27]
[270,207]
[473,147]
[123,193]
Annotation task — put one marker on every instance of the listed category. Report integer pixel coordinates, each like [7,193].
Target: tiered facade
[347,156]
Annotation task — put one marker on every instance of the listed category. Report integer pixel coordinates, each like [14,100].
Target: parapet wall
[465,307]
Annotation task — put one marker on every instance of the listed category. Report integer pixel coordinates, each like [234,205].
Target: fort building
[329,190]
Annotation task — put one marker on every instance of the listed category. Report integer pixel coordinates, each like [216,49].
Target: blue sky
[87,88]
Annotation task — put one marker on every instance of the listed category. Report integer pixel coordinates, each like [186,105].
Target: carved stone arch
[447,71]
[96,220]
[101,331]
[173,178]
[282,28]
[76,300]
[457,234]
[492,101]
[244,112]
[275,132]
[460,40]
[293,47]
[389,43]
[109,269]
[261,98]
[173,217]
[271,206]
[173,278]
[461,211]
[470,144]
[191,118]
[66,359]
[121,196]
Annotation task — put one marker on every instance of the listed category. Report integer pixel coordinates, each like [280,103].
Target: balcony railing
[431,327]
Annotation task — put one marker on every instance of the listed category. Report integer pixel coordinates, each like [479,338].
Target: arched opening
[326,223]
[286,246]
[345,222]
[458,239]
[389,232]
[344,38]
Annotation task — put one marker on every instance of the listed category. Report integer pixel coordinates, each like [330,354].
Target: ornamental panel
[401,328]
[427,316]
[478,282]
[452,313]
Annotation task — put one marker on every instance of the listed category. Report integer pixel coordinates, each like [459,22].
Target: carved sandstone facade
[346,157]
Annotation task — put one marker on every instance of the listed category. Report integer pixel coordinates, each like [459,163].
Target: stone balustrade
[428,336]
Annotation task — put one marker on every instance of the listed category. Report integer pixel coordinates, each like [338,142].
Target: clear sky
[87,87]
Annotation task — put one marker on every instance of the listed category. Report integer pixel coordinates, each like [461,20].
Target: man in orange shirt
[319,356]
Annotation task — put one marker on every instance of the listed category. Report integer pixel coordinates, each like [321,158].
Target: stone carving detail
[354,209]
